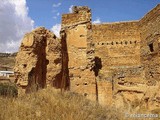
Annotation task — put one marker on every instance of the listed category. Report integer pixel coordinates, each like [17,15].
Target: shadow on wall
[98,65]
[37,76]
[62,80]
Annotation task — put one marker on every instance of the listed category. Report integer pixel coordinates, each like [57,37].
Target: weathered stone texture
[117,47]
[117,44]
[113,63]
[38,61]
[105,92]
[79,15]
[54,59]
[77,27]
[150,47]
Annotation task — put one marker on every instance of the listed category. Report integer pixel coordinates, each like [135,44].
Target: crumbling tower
[76,33]
[113,63]
[39,62]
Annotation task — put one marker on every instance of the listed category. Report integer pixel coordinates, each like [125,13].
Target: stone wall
[77,27]
[150,47]
[117,47]
[112,63]
[39,61]
[79,15]
[118,65]
[117,44]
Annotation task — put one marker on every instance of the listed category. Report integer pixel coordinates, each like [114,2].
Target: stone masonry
[39,61]
[112,63]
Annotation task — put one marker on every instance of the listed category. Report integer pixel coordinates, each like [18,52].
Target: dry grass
[49,104]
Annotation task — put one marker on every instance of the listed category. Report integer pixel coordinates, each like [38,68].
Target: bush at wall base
[8,90]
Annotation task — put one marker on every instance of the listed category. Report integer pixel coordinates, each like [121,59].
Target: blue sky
[17,17]
[48,12]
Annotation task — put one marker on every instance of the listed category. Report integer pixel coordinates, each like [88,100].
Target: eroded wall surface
[117,47]
[112,63]
[121,54]
[150,47]
[38,62]
[77,27]
[117,44]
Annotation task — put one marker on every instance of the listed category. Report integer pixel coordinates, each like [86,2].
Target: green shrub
[8,89]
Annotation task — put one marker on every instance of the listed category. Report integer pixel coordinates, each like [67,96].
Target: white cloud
[70,9]
[55,11]
[56,29]
[54,17]
[14,22]
[57,5]
[97,21]
[58,14]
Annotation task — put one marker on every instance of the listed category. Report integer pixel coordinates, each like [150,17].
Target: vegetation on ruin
[8,90]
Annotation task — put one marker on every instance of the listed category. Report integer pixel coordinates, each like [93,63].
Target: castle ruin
[112,63]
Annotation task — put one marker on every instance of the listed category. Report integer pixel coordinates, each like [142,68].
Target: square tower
[76,33]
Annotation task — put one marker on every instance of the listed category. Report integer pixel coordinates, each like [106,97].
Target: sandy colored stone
[38,62]
[77,26]
[112,63]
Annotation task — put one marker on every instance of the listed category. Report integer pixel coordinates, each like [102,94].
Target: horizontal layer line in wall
[117,42]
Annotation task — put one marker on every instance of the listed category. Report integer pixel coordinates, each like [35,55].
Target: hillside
[7,61]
